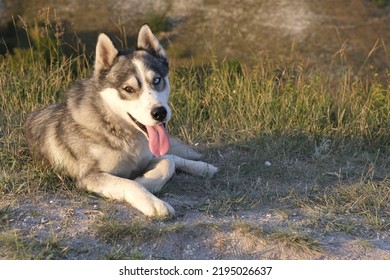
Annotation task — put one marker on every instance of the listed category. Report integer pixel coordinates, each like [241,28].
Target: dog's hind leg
[159,171]
[130,191]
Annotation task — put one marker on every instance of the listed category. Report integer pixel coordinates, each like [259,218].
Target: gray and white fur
[101,133]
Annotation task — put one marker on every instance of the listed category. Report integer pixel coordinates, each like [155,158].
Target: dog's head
[135,85]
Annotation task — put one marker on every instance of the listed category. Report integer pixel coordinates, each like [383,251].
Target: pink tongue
[158,140]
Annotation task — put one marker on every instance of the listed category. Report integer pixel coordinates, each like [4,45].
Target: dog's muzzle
[157,135]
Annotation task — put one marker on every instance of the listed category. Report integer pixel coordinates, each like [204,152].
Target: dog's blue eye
[129,89]
[156,81]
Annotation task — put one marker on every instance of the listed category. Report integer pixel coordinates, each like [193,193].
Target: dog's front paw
[157,208]
[210,170]
[204,169]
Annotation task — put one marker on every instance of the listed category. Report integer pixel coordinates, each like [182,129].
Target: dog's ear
[148,42]
[105,53]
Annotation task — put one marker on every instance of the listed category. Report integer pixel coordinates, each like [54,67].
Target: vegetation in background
[307,122]
[380,3]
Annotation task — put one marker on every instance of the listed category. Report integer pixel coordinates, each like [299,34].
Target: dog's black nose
[159,113]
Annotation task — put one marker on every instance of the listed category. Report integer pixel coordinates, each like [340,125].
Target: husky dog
[110,132]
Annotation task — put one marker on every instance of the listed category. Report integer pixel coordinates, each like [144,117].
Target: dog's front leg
[158,172]
[131,191]
[198,168]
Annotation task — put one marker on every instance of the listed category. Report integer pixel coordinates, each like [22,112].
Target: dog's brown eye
[129,89]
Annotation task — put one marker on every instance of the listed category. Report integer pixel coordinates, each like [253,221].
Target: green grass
[220,102]
[16,246]
[287,237]
[224,104]
[380,3]
[136,231]
[369,200]
[353,208]
[328,141]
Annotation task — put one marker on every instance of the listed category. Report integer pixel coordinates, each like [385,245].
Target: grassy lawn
[303,158]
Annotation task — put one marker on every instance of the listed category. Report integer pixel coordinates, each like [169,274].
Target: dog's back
[47,135]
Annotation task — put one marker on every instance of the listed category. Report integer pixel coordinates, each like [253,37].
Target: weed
[122,254]
[137,230]
[158,20]
[17,246]
[5,214]
[368,200]
[366,204]
[380,3]
[296,240]
[287,237]
[223,105]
